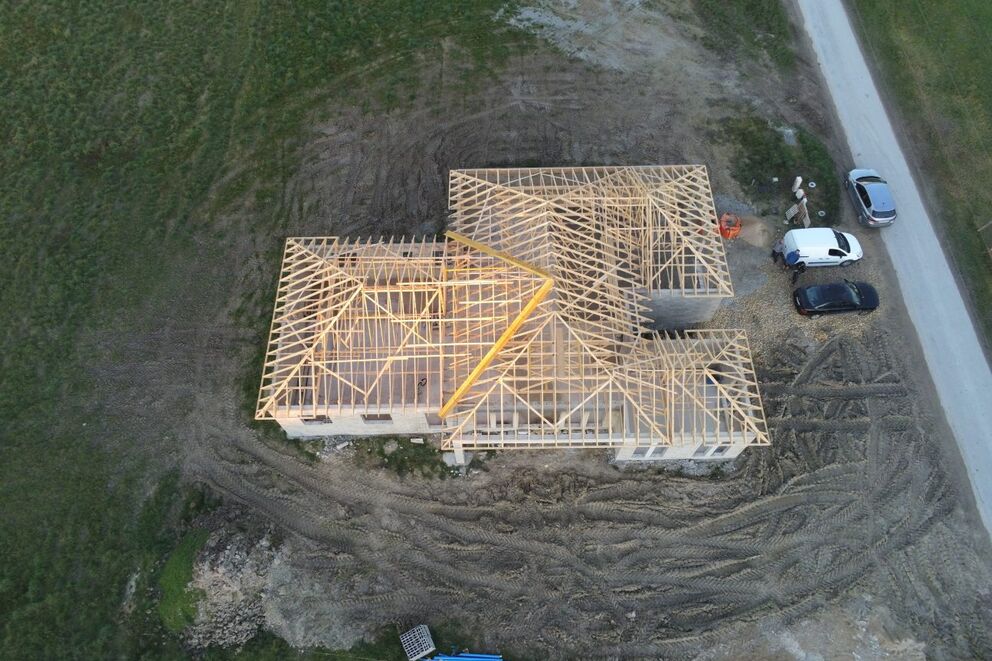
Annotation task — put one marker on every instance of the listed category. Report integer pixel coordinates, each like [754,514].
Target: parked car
[871,197]
[816,300]
[821,246]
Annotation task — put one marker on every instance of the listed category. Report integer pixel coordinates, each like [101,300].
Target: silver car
[871,197]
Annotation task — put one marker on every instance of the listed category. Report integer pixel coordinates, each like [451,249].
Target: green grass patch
[749,27]
[71,555]
[398,454]
[119,123]
[934,58]
[177,607]
[762,153]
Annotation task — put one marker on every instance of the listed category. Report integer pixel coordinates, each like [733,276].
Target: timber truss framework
[525,328]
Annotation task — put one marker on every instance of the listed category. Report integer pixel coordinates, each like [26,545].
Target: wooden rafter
[525,328]
[367,326]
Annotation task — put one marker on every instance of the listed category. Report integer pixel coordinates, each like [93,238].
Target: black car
[847,296]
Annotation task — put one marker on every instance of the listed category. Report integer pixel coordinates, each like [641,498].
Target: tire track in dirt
[831,502]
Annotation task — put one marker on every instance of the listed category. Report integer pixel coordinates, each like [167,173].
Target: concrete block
[450,459]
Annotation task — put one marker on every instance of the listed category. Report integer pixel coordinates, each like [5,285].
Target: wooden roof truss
[525,328]
[653,225]
[379,326]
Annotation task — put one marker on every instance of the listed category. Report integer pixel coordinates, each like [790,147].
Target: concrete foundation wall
[355,425]
[662,453]
[670,310]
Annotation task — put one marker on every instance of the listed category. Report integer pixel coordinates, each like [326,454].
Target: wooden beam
[530,313]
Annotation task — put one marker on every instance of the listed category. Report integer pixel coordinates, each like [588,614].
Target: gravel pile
[232,572]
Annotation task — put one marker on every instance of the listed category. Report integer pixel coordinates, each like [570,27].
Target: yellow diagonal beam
[514,326]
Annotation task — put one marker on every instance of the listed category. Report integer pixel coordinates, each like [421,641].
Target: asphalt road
[950,344]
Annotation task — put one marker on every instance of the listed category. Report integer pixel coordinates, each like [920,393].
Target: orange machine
[730,226]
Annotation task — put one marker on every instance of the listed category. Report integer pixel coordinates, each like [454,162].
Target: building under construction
[550,316]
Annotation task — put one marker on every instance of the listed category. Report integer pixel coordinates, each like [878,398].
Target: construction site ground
[854,533]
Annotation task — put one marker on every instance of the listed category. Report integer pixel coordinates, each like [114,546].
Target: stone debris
[232,574]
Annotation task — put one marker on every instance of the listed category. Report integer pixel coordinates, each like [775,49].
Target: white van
[822,246]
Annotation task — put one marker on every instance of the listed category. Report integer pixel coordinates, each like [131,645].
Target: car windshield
[842,242]
[885,214]
[871,180]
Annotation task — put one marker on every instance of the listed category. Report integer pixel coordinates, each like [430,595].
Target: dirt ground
[852,535]
[848,521]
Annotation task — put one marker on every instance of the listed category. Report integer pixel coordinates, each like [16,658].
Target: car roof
[813,236]
[820,295]
[830,287]
[841,286]
[831,291]
[881,197]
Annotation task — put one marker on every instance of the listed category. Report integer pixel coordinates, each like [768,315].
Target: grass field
[935,59]
[177,605]
[748,26]
[761,152]
[119,122]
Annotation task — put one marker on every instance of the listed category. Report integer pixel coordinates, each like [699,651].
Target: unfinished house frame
[543,320]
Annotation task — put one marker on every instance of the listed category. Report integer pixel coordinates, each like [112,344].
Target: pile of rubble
[232,574]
